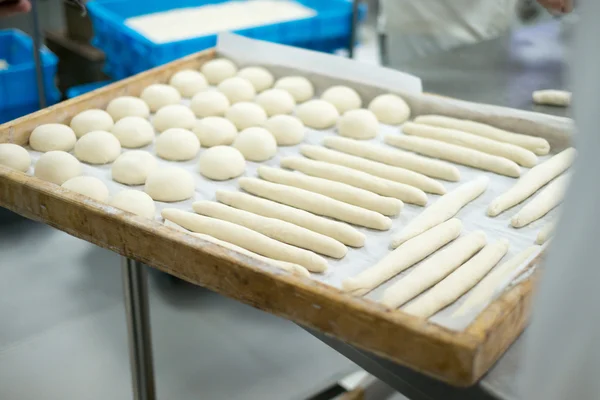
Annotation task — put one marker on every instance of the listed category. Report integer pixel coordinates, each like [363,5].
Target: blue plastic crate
[128,52]
[78,90]
[10,113]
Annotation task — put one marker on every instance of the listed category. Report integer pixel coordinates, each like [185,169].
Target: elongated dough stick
[456,154]
[335,190]
[560,98]
[359,179]
[246,238]
[434,269]
[545,233]
[394,157]
[315,203]
[442,210]
[550,197]
[403,257]
[286,266]
[459,282]
[509,151]
[273,228]
[538,145]
[537,177]
[374,168]
[485,290]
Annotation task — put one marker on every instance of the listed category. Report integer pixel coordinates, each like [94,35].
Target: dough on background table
[188,82]
[550,97]
[403,258]
[91,120]
[548,198]
[98,147]
[217,70]
[274,228]
[343,98]
[215,131]
[358,124]
[246,115]
[545,233]
[135,202]
[88,186]
[260,77]
[390,109]
[170,184]
[159,95]
[256,144]
[177,144]
[537,177]
[276,102]
[15,157]
[57,167]
[221,163]
[442,210]
[174,116]
[210,103]
[246,238]
[237,89]
[298,86]
[133,132]
[317,114]
[133,167]
[288,130]
[127,106]
[48,137]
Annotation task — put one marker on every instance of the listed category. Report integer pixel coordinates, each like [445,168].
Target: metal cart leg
[353,28]
[135,287]
[37,47]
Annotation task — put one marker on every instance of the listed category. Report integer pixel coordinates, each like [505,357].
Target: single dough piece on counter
[237,89]
[459,282]
[135,202]
[538,145]
[50,137]
[537,177]
[260,77]
[133,132]
[442,210]
[434,269]
[215,131]
[359,179]
[170,184]
[133,167]
[545,233]
[159,95]
[560,98]
[456,154]
[246,115]
[221,163]
[287,129]
[15,157]
[298,86]
[395,174]
[246,238]
[177,144]
[88,186]
[403,258]
[256,144]
[98,147]
[57,167]
[343,98]
[358,124]
[317,114]
[91,120]
[397,158]
[512,152]
[127,106]
[334,229]
[550,197]
[216,71]
[336,190]
[188,82]
[281,231]
[174,116]
[276,102]
[390,109]
[210,103]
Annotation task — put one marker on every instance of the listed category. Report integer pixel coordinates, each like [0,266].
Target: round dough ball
[215,131]
[133,132]
[177,144]
[287,130]
[246,115]
[390,109]
[91,120]
[188,82]
[256,144]
[98,147]
[134,201]
[260,77]
[358,124]
[298,86]
[88,186]
[160,95]
[220,163]
[14,156]
[318,114]
[343,98]
[127,106]
[209,104]
[57,167]
[50,137]
[276,102]
[133,167]
[174,116]
[216,71]
[237,89]
[170,184]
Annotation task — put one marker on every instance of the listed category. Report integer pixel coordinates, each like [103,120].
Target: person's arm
[8,8]
[562,6]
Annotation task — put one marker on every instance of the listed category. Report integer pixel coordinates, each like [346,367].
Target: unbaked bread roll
[256,144]
[210,103]
[215,131]
[260,77]
[188,82]
[390,109]
[57,167]
[221,163]
[135,202]
[174,116]
[287,129]
[91,120]
[237,89]
[127,106]
[177,144]
[217,70]
[317,114]
[343,98]
[159,95]
[15,157]
[98,147]
[133,167]
[88,186]
[276,102]
[298,86]
[246,115]
[48,137]
[170,184]
[133,132]
[358,124]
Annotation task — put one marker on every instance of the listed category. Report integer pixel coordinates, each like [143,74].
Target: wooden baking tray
[458,358]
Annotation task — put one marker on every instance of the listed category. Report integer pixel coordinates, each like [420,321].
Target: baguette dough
[434,269]
[403,258]
[315,203]
[459,282]
[246,238]
[537,177]
[276,229]
[456,154]
[550,197]
[334,229]
[560,98]
[545,233]
[336,190]
[396,174]
[538,145]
